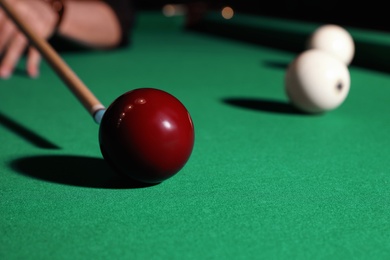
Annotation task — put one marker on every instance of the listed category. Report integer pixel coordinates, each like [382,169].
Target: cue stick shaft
[73,82]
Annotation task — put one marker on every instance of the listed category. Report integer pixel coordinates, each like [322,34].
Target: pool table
[264,180]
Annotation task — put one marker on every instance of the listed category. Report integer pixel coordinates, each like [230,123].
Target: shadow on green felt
[75,171]
[20,72]
[265,105]
[281,65]
[25,133]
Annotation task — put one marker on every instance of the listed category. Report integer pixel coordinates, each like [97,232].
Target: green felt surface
[371,47]
[263,181]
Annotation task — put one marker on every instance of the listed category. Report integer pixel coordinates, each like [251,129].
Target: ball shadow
[275,64]
[75,171]
[265,105]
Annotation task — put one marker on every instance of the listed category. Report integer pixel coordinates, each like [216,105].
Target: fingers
[7,30]
[14,51]
[33,61]
[12,45]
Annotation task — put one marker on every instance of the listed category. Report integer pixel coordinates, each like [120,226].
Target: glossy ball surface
[147,134]
[317,82]
[335,40]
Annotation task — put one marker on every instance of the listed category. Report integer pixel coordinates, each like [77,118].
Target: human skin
[89,22]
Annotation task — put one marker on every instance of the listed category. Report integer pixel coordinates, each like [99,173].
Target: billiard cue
[71,80]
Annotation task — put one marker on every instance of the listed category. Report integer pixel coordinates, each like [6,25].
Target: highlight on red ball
[147,134]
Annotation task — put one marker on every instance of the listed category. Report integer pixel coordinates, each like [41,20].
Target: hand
[42,19]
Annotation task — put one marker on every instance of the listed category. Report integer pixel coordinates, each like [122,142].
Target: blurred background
[370,15]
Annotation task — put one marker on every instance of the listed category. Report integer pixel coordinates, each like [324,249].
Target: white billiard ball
[316,82]
[333,39]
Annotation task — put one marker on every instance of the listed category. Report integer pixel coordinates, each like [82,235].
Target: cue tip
[98,115]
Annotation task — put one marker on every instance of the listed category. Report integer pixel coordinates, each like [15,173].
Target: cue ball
[146,134]
[316,82]
[333,39]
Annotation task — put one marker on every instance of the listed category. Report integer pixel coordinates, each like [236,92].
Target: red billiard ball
[147,134]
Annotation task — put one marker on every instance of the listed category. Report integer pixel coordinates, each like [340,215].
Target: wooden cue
[72,81]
